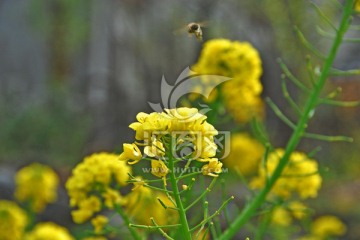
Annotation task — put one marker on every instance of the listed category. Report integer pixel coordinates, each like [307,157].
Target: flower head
[300,175]
[131,152]
[241,62]
[36,184]
[49,230]
[99,222]
[13,221]
[182,131]
[213,168]
[245,154]
[328,226]
[91,185]
[158,168]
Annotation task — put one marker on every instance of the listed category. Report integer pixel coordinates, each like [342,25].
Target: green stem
[295,138]
[126,219]
[173,181]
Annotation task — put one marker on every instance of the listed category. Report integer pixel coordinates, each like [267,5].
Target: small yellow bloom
[298,209]
[49,230]
[280,216]
[300,175]
[131,152]
[13,221]
[241,62]
[213,168]
[159,168]
[245,154]
[328,226]
[112,197]
[99,222]
[156,149]
[87,208]
[36,184]
[91,186]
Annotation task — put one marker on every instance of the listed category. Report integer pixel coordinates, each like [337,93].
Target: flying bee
[194,28]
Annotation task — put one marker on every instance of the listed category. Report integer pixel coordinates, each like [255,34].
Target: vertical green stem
[126,219]
[295,138]
[173,181]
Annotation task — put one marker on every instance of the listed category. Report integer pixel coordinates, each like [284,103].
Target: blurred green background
[73,75]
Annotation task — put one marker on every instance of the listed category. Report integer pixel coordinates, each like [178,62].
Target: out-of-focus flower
[94,184]
[49,230]
[283,215]
[13,221]
[280,216]
[300,175]
[232,59]
[357,6]
[328,226]
[99,222]
[245,154]
[142,203]
[241,62]
[36,184]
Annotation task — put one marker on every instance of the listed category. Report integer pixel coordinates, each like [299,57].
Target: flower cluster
[300,175]
[37,185]
[48,230]
[241,62]
[283,215]
[13,221]
[325,227]
[94,183]
[245,154]
[181,133]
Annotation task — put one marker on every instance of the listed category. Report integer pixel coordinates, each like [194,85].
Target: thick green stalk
[173,181]
[295,138]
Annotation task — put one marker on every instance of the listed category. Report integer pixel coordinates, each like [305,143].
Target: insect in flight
[194,28]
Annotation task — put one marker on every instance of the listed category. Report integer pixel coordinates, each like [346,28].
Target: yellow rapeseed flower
[280,216]
[283,215]
[131,152]
[158,168]
[36,184]
[328,226]
[92,183]
[99,222]
[142,203]
[300,175]
[245,154]
[13,221]
[241,62]
[47,231]
[213,168]
[156,149]
[186,128]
